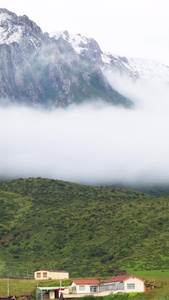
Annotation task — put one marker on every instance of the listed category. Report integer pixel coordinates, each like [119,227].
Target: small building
[124,283]
[50,292]
[49,274]
[84,286]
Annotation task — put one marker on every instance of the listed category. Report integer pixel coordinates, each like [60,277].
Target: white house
[48,274]
[124,283]
[84,286]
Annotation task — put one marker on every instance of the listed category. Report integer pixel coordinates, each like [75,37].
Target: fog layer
[90,144]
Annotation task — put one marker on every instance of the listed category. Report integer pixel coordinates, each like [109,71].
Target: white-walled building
[49,274]
[124,283]
[84,286]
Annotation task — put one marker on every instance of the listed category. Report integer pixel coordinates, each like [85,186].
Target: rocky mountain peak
[83,46]
[14,28]
[6,15]
[59,69]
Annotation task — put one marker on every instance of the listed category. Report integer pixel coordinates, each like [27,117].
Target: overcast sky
[137,28]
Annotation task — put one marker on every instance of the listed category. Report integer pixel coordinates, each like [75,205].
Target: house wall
[84,289]
[58,275]
[65,291]
[139,285]
[52,295]
[39,275]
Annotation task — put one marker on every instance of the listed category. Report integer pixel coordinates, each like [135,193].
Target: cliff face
[53,71]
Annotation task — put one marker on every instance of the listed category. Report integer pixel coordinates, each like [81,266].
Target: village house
[49,274]
[124,283]
[81,288]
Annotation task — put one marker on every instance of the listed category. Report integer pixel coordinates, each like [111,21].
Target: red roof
[119,278]
[86,281]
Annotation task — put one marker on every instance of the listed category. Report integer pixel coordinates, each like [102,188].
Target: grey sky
[137,28]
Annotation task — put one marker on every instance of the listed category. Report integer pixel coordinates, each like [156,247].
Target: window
[38,275]
[93,289]
[81,287]
[45,275]
[72,289]
[131,286]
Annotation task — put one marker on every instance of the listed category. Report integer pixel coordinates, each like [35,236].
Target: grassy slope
[20,287]
[17,287]
[85,230]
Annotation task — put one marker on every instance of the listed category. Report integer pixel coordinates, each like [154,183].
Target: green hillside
[151,189]
[86,230]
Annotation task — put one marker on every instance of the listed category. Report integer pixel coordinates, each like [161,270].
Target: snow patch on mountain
[148,69]
[78,42]
[9,32]
[106,58]
[136,68]
[4,17]
[13,34]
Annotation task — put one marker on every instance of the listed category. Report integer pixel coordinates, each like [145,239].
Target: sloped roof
[119,278]
[86,281]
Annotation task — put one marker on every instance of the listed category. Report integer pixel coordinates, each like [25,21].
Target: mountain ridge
[59,69]
[39,70]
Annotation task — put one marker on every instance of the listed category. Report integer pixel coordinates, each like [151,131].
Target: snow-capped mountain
[14,29]
[136,68]
[59,69]
[37,69]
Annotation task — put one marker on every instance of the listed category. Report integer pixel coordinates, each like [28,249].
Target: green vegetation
[17,287]
[154,190]
[64,282]
[88,231]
